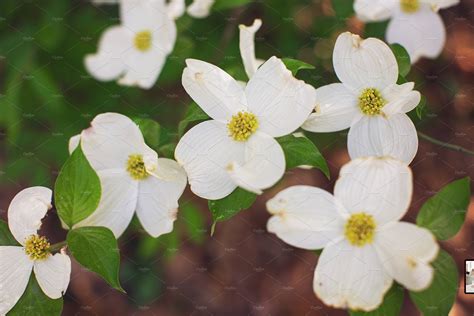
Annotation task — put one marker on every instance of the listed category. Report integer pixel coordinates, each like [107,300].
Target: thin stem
[57,246]
[445,145]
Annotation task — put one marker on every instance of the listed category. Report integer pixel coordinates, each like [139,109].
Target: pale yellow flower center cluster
[143,40]
[371,101]
[359,229]
[410,6]
[136,167]
[37,247]
[242,126]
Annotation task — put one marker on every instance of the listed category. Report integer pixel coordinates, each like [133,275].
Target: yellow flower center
[360,229]
[410,6]
[37,247]
[136,167]
[242,126]
[371,101]
[143,41]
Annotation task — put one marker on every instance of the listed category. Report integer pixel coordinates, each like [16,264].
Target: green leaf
[77,190]
[34,302]
[96,249]
[438,299]
[47,89]
[229,206]
[444,212]
[193,114]
[421,108]
[6,237]
[343,8]
[375,29]
[228,4]
[300,151]
[294,65]
[52,24]
[151,131]
[391,306]
[193,221]
[403,59]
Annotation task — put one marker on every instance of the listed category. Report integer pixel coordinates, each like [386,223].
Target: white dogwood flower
[52,271]
[247,47]
[200,8]
[132,177]
[366,247]
[368,100]
[237,147]
[415,24]
[135,51]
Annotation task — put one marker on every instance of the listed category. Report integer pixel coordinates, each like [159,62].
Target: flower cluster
[365,245]
[415,24]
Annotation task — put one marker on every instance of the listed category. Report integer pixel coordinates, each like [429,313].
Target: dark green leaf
[193,221]
[77,190]
[403,59]
[96,249]
[421,108]
[391,306]
[229,206]
[438,299]
[151,131]
[375,29]
[168,150]
[228,4]
[193,114]
[294,65]
[300,151]
[53,24]
[6,237]
[343,8]
[444,212]
[34,302]
[46,89]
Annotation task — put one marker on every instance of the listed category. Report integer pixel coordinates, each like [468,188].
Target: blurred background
[46,96]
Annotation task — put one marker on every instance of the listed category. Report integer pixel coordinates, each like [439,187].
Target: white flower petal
[421,33]
[350,277]
[263,166]
[143,69]
[214,90]
[305,217]
[74,142]
[406,251]
[336,108]
[374,10]
[200,8]
[247,47]
[158,201]
[168,170]
[393,136]
[205,152]
[379,186]
[109,62]
[110,140]
[140,15]
[176,8]
[401,98]
[281,102]
[441,4]
[117,202]
[15,271]
[26,211]
[361,64]
[53,274]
